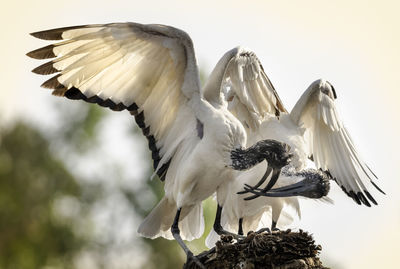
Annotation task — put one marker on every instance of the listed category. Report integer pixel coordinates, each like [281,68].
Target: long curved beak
[274,178]
[262,180]
[306,188]
[271,183]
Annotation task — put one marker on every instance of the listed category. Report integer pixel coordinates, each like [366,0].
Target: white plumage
[313,129]
[151,71]
[196,141]
[330,144]
[260,212]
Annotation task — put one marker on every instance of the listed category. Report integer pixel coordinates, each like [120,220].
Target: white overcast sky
[353,44]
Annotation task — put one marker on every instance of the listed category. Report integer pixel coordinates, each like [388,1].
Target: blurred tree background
[72,194]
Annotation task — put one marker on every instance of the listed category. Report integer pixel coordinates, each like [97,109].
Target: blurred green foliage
[35,177]
[31,179]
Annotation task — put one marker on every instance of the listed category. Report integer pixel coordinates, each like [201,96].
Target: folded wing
[149,70]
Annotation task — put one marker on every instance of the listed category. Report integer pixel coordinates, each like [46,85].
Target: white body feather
[263,208]
[151,70]
[313,128]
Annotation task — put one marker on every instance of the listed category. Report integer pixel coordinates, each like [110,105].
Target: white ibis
[151,71]
[313,130]
[329,144]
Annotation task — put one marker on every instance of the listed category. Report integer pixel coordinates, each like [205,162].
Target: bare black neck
[275,152]
[243,159]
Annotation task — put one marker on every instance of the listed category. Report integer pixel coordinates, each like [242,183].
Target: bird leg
[273,226]
[219,229]
[176,233]
[268,230]
[240,230]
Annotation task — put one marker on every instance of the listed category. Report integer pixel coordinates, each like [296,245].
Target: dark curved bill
[262,180]
[303,188]
[274,178]
[271,183]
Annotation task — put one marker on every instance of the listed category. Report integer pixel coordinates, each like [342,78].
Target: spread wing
[330,144]
[250,93]
[149,70]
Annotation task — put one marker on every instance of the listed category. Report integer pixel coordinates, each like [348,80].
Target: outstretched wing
[149,70]
[249,91]
[330,144]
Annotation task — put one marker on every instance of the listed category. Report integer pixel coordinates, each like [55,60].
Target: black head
[274,152]
[317,183]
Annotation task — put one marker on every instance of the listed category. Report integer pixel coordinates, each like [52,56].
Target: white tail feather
[192,225]
[211,239]
[158,223]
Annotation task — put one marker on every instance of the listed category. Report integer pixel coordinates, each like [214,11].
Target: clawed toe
[193,259]
[239,237]
[262,230]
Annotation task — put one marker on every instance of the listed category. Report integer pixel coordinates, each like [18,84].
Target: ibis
[314,131]
[196,142]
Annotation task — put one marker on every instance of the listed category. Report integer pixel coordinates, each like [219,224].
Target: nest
[278,250]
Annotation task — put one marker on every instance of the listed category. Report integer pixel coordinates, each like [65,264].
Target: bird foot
[205,253]
[264,230]
[193,259]
[228,237]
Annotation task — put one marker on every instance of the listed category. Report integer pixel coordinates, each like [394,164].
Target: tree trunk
[276,250]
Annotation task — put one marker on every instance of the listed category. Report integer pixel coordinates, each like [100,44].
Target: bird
[329,144]
[243,215]
[271,212]
[151,71]
[315,132]
[238,216]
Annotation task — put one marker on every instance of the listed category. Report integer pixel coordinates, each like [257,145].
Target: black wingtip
[355,197]
[363,199]
[55,34]
[45,69]
[370,197]
[333,90]
[372,172]
[379,189]
[42,53]
[52,83]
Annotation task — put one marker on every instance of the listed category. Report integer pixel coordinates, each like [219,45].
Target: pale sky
[353,44]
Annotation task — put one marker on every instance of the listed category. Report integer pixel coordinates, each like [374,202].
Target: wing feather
[331,145]
[149,70]
[254,97]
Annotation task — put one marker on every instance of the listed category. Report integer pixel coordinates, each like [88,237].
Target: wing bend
[149,70]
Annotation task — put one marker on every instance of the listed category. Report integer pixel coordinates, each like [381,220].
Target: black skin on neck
[274,152]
